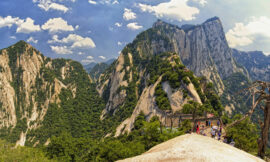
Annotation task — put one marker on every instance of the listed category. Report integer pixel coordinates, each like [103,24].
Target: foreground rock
[192,147]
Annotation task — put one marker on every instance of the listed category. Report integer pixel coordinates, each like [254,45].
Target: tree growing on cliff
[260,92]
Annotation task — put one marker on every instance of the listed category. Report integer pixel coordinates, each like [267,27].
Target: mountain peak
[212,20]
[161,23]
[21,43]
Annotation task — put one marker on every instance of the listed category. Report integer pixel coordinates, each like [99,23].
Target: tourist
[213,133]
[232,143]
[219,135]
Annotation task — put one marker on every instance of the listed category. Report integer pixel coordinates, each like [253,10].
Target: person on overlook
[198,129]
[219,135]
[213,133]
[232,143]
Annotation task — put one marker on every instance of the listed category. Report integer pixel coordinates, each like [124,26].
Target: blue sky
[96,30]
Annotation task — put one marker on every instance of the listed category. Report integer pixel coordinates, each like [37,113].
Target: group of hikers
[216,130]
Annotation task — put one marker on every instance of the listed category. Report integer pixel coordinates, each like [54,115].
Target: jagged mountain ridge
[41,97]
[202,48]
[256,63]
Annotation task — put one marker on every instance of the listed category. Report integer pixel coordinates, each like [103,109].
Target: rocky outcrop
[192,147]
[176,96]
[7,94]
[146,104]
[113,83]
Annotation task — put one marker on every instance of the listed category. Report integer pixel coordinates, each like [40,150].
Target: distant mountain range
[163,69]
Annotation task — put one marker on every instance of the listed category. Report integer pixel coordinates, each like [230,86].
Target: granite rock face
[256,63]
[202,48]
[27,88]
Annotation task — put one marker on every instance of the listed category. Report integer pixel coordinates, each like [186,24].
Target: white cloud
[62,50]
[13,37]
[90,57]
[56,25]
[103,2]
[31,39]
[102,57]
[121,43]
[201,2]
[77,41]
[174,9]
[80,53]
[9,21]
[92,2]
[49,5]
[77,27]
[115,2]
[84,43]
[128,14]
[118,24]
[134,26]
[28,26]
[243,35]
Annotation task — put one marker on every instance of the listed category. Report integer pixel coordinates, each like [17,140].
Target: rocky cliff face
[256,63]
[202,48]
[157,85]
[29,84]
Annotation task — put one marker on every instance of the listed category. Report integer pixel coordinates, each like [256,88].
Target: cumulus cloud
[92,2]
[9,21]
[56,25]
[104,2]
[80,53]
[49,5]
[77,41]
[245,34]
[28,26]
[118,24]
[88,59]
[31,39]
[102,57]
[13,37]
[134,26]
[23,26]
[128,14]
[62,50]
[174,9]
[115,2]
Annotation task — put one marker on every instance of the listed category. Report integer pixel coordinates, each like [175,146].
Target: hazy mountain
[256,63]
